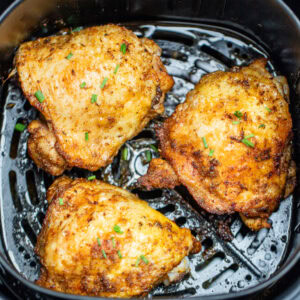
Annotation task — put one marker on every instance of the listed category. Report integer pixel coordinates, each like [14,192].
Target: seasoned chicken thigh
[95,88]
[101,240]
[229,143]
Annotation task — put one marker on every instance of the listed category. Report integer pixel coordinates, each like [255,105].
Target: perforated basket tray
[241,266]
[223,266]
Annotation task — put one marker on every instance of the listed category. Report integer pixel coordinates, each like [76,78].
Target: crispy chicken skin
[228,175]
[78,245]
[160,175]
[129,84]
[41,148]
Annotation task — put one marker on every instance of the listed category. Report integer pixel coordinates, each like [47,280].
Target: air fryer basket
[197,37]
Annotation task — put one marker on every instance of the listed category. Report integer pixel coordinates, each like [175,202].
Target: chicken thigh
[101,240]
[95,89]
[229,143]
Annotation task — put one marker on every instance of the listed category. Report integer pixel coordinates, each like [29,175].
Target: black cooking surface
[245,259]
[242,258]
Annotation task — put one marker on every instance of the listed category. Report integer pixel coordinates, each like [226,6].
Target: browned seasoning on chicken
[101,240]
[96,89]
[229,143]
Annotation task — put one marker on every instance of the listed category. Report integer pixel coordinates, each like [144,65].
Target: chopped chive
[238,114]
[77,29]
[113,242]
[137,262]
[61,201]
[148,156]
[103,82]
[103,253]
[236,122]
[125,153]
[20,127]
[268,109]
[262,126]
[99,242]
[145,260]
[116,68]
[204,142]
[86,136]
[82,85]
[92,177]
[94,98]
[117,229]
[39,95]
[69,56]
[249,136]
[123,48]
[154,148]
[119,254]
[211,152]
[248,143]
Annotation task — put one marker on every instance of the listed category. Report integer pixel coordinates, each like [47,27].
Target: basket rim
[284,269]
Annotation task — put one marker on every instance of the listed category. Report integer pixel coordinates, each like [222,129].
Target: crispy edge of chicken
[130,98]
[41,148]
[78,228]
[187,162]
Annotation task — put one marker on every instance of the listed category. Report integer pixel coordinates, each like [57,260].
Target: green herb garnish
[77,29]
[39,95]
[117,229]
[94,98]
[119,254]
[268,109]
[204,142]
[247,143]
[82,85]
[92,177]
[137,262]
[69,56]
[103,253]
[125,153]
[116,68]
[211,152]
[249,136]
[86,136]
[61,201]
[144,259]
[113,242]
[103,82]
[20,127]
[154,148]
[99,242]
[238,114]
[236,122]
[123,48]
[262,126]
[148,156]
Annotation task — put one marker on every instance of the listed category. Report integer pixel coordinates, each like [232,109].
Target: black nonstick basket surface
[197,37]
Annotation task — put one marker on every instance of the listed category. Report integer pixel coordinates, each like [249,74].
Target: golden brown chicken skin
[41,148]
[229,143]
[95,88]
[101,240]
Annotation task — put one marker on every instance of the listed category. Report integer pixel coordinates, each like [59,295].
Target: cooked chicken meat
[101,240]
[95,88]
[229,143]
